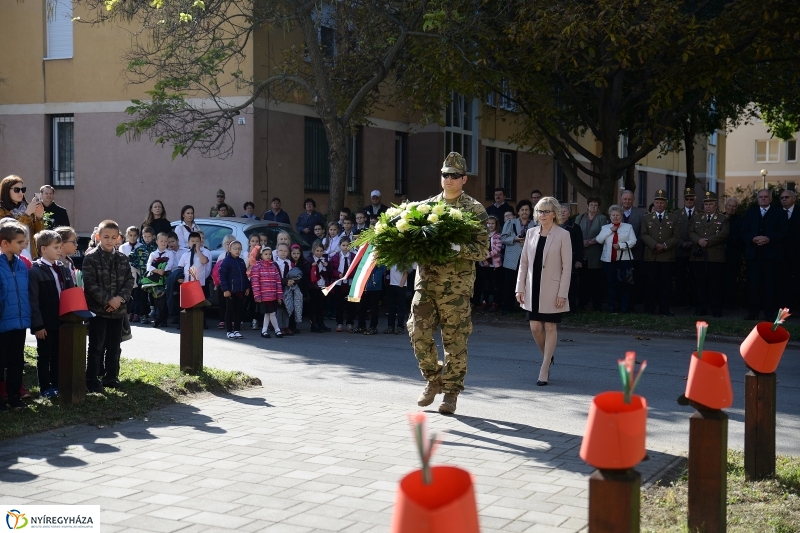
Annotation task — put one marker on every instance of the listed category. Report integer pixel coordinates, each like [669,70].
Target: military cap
[689,192]
[220,193]
[710,196]
[454,163]
[661,194]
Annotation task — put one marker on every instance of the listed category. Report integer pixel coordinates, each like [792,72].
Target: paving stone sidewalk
[269,460]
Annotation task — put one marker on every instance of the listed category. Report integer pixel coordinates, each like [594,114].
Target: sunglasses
[447,175]
[18,190]
[785,197]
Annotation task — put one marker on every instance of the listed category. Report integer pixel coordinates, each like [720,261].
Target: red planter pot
[615,431]
[444,506]
[709,380]
[191,294]
[73,301]
[763,348]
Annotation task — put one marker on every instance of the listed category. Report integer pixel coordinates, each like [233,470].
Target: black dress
[536,282]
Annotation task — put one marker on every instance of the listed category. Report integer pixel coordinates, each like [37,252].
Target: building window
[490,172]
[353,162]
[508,172]
[59,29]
[400,159]
[641,188]
[712,165]
[317,164]
[560,183]
[791,151]
[506,97]
[712,139]
[62,158]
[460,133]
[767,151]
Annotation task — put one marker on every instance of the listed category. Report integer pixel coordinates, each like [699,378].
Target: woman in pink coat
[543,280]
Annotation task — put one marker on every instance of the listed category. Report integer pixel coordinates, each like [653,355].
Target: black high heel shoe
[544,383]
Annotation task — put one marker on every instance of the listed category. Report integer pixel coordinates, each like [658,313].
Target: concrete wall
[741,168]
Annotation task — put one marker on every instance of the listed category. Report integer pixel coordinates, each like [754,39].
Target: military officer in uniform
[441,299]
[685,286]
[709,232]
[660,238]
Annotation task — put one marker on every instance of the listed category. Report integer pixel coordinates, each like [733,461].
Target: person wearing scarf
[618,240]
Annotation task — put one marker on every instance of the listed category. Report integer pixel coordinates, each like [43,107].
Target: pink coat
[266,282]
[555,274]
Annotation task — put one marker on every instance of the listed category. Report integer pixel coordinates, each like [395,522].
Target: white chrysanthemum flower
[456,213]
[402,225]
[438,210]
[379,227]
[433,218]
[424,208]
[392,212]
[405,215]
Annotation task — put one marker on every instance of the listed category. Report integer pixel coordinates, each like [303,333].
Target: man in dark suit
[500,207]
[788,291]
[734,252]
[633,216]
[576,238]
[763,231]
[685,286]
[59,216]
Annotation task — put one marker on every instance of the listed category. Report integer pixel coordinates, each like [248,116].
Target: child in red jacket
[267,290]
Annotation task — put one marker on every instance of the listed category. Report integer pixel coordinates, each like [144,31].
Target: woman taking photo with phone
[543,280]
[14,205]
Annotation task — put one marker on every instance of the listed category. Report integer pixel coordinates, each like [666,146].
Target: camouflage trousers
[429,311]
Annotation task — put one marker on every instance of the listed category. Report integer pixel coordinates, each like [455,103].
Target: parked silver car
[215,229]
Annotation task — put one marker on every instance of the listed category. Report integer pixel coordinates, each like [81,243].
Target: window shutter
[59,30]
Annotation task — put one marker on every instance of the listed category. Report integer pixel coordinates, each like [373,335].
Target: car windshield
[214,235]
[272,235]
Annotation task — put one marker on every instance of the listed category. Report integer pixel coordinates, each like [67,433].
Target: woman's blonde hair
[552,204]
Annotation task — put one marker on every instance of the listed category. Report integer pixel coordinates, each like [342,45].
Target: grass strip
[145,386]
[639,323]
[771,506]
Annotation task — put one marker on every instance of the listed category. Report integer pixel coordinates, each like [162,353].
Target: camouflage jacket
[458,275]
[139,256]
[106,275]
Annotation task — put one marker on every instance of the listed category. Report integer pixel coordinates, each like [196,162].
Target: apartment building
[65,92]
[752,149]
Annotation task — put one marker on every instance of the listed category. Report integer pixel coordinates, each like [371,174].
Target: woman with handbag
[513,237]
[618,238]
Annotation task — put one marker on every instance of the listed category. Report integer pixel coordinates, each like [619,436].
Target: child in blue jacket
[15,308]
[235,286]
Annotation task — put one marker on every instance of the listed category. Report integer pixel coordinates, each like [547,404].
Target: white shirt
[127,248]
[180,253]
[396,276]
[183,233]
[55,274]
[789,212]
[320,268]
[169,254]
[203,271]
[280,264]
[333,245]
[764,210]
[687,209]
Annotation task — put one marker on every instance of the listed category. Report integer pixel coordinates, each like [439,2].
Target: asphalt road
[501,382]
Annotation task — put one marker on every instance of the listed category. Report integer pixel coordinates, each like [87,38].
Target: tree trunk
[630,178]
[338,155]
[689,132]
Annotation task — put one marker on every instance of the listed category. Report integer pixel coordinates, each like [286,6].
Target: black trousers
[105,335]
[317,306]
[47,360]
[344,308]
[685,286]
[509,285]
[574,290]
[396,300]
[592,286]
[639,284]
[369,302]
[709,277]
[731,286]
[659,282]
[787,293]
[761,287]
[13,359]
[234,306]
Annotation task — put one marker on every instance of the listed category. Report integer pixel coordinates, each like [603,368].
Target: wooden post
[708,479]
[759,425]
[191,358]
[72,360]
[614,501]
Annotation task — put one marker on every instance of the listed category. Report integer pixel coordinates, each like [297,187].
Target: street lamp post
[764,178]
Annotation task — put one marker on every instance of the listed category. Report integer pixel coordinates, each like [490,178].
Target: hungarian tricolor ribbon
[365,267]
[353,267]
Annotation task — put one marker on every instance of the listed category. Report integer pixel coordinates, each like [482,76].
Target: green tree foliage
[334,55]
[603,69]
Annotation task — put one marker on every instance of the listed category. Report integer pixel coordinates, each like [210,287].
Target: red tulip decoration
[617,426]
[438,499]
[709,381]
[763,348]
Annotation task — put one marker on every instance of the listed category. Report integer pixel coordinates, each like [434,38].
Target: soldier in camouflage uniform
[441,298]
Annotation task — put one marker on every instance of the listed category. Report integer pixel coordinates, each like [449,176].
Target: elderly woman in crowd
[513,237]
[543,280]
[618,239]
[14,205]
[591,284]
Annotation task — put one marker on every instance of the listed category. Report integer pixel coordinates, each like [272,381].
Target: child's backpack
[215,272]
